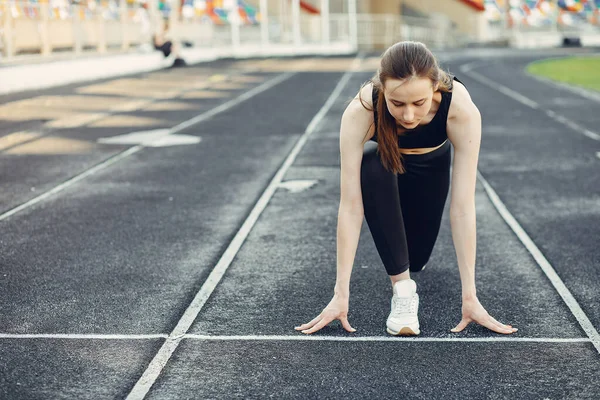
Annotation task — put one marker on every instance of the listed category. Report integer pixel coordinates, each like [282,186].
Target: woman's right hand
[336,309]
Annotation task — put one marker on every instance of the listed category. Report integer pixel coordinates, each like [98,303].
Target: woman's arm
[464,131]
[355,124]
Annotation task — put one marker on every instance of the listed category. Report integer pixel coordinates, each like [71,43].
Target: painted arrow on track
[153,138]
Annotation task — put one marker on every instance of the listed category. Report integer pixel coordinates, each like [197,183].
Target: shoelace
[403,303]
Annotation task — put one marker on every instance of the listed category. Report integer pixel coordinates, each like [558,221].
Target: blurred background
[130,185]
[45,28]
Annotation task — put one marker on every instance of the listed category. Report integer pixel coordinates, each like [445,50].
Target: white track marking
[225,106]
[590,134]
[72,181]
[294,338]
[153,138]
[573,125]
[126,153]
[85,336]
[303,337]
[546,267]
[155,367]
[588,94]
[297,186]
[467,70]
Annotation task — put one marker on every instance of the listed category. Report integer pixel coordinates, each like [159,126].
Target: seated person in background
[162,43]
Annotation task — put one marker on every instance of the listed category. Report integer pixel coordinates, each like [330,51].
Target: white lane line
[573,125]
[558,284]
[383,339]
[126,153]
[569,88]
[590,134]
[116,158]
[94,336]
[231,103]
[84,336]
[467,70]
[155,367]
[598,154]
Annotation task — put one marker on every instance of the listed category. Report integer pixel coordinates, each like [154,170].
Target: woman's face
[408,100]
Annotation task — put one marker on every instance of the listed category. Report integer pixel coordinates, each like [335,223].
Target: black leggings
[166,48]
[404,211]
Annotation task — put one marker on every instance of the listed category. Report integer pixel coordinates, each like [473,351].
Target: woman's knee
[418,263]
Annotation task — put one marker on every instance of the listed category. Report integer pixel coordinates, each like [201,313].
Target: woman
[395,172]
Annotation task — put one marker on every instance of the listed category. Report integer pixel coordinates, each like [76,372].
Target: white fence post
[9,47]
[325,33]
[264,22]
[77,29]
[352,20]
[101,25]
[296,22]
[124,20]
[154,17]
[556,15]
[44,31]
[233,17]
[174,20]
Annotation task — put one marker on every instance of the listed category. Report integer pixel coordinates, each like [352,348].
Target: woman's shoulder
[461,101]
[366,93]
[358,116]
[464,119]
[362,103]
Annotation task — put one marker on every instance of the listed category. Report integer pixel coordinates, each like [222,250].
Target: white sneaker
[403,319]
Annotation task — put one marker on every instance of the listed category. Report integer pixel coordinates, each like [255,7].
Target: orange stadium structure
[476,4]
[309,8]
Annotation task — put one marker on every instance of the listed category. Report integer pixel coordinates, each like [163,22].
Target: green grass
[581,71]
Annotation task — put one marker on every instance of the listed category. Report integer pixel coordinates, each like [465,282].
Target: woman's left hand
[473,311]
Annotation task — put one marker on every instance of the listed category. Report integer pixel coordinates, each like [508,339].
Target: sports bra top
[432,134]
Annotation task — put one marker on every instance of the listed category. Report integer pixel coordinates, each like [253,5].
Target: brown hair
[401,61]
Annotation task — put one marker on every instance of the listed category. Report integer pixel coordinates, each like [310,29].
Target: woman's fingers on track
[461,325]
[503,325]
[347,325]
[318,326]
[489,323]
[308,324]
[496,323]
[322,320]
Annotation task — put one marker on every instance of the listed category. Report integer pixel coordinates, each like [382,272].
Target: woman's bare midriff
[423,150]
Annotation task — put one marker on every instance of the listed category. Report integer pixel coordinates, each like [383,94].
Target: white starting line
[293,338]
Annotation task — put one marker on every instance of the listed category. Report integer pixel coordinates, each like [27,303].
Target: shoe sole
[406,331]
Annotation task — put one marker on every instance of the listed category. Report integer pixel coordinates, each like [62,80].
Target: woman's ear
[436,86]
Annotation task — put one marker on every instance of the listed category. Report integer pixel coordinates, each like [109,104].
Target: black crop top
[432,134]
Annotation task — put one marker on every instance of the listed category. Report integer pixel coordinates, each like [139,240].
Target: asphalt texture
[96,275]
